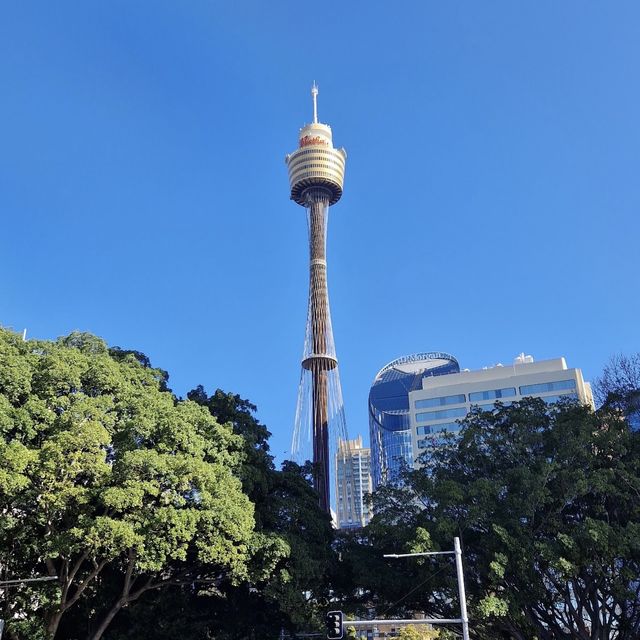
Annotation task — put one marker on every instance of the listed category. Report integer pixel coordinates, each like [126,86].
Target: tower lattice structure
[316,176]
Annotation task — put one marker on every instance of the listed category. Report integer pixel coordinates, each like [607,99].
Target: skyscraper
[316,176]
[389,424]
[353,481]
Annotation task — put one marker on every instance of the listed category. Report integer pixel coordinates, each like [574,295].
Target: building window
[439,402]
[543,387]
[490,406]
[436,428]
[552,399]
[444,413]
[509,392]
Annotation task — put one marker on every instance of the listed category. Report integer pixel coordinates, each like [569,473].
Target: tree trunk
[125,597]
[106,621]
[54,622]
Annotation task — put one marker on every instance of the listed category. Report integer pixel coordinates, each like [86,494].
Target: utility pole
[457,552]
[462,620]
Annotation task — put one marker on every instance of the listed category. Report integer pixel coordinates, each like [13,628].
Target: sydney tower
[316,176]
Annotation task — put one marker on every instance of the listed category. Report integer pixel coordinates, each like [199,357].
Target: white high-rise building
[443,400]
[353,481]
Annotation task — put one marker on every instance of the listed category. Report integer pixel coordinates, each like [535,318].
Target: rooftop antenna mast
[314,93]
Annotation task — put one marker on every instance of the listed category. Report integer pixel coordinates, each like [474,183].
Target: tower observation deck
[316,176]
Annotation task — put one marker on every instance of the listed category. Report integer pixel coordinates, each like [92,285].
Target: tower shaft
[321,439]
[317,213]
[320,337]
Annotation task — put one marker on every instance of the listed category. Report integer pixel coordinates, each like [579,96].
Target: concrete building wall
[442,401]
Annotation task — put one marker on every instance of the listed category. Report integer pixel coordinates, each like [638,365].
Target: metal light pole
[461,591]
[457,552]
[17,581]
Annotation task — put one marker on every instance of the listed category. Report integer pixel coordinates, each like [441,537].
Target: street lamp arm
[457,552]
[414,555]
[9,583]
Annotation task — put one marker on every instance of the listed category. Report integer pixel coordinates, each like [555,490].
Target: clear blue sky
[491,200]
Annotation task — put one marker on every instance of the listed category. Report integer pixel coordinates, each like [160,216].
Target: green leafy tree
[257,468]
[304,583]
[547,504]
[297,538]
[106,475]
[414,632]
[286,507]
[366,580]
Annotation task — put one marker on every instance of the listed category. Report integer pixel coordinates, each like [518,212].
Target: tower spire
[314,93]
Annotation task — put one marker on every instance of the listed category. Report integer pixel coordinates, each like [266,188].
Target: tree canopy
[417,632]
[290,595]
[107,475]
[286,507]
[547,504]
[161,517]
[619,386]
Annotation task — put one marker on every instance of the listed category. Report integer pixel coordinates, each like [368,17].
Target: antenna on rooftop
[314,93]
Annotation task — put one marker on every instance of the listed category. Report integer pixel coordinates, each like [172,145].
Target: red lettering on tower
[309,140]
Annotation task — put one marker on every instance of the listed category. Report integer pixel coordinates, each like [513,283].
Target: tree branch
[98,567]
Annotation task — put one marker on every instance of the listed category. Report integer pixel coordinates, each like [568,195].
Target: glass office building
[389,411]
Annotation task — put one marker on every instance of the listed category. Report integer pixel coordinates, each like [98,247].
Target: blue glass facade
[389,427]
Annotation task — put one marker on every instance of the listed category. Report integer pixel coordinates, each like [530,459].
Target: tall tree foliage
[547,504]
[619,386]
[286,506]
[620,378]
[107,478]
[257,465]
[287,576]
